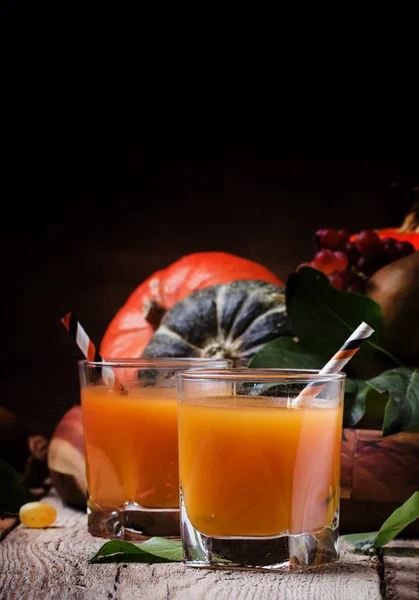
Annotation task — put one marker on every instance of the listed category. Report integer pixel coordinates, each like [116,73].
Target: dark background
[95,205]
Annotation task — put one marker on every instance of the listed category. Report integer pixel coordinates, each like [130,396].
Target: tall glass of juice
[130,428]
[259,460]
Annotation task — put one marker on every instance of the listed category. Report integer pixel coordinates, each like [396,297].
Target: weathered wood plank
[369,516]
[356,577]
[401,570]
[377,475]
[51,564]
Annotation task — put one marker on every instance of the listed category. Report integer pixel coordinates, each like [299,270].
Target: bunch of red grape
[349,264]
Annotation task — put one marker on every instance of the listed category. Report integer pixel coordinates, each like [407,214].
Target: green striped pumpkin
[232,320]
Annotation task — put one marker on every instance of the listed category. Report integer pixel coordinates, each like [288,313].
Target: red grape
[344,236]
[363,265]
[353,282]
[337,280]
[325,260]
[342,261]
[351,252]
[405,248]
[355,287]
[351,277]
[390,249]
[368,243]
[368,266]
[328,238]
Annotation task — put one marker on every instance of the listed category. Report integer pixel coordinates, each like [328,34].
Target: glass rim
[260,375]
[157,363]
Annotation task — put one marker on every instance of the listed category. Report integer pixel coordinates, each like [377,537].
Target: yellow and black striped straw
[338,361]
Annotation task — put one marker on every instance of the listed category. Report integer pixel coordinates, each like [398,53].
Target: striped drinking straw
[338,361]
[77,331]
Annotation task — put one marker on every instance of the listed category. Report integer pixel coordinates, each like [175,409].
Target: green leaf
[170,550]
[375,403]
[402,410]
[14,492]
[355,401]
[154,550]
[398,520]
[323,317]
[285,353]
[363,404]
[361,542]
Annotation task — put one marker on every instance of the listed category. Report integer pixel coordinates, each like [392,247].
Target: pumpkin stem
[411,222]
[153,313]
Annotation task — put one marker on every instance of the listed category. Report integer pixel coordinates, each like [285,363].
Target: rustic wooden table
[52,563]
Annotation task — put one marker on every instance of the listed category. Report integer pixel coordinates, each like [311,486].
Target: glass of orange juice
[259,466]
[129,411]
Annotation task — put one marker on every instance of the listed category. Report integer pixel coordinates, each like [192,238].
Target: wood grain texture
[377,475]
[401,570]
[369,516]
[356,577]
[51,564]
[385,469]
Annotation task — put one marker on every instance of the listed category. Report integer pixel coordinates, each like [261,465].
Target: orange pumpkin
[134,324]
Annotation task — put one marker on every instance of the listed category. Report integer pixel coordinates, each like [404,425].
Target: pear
[396,288]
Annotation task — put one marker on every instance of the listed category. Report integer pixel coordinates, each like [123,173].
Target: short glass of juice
[129,411]
[259,463]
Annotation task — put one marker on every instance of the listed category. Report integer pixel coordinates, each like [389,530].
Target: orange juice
[251,466]
[131,446]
